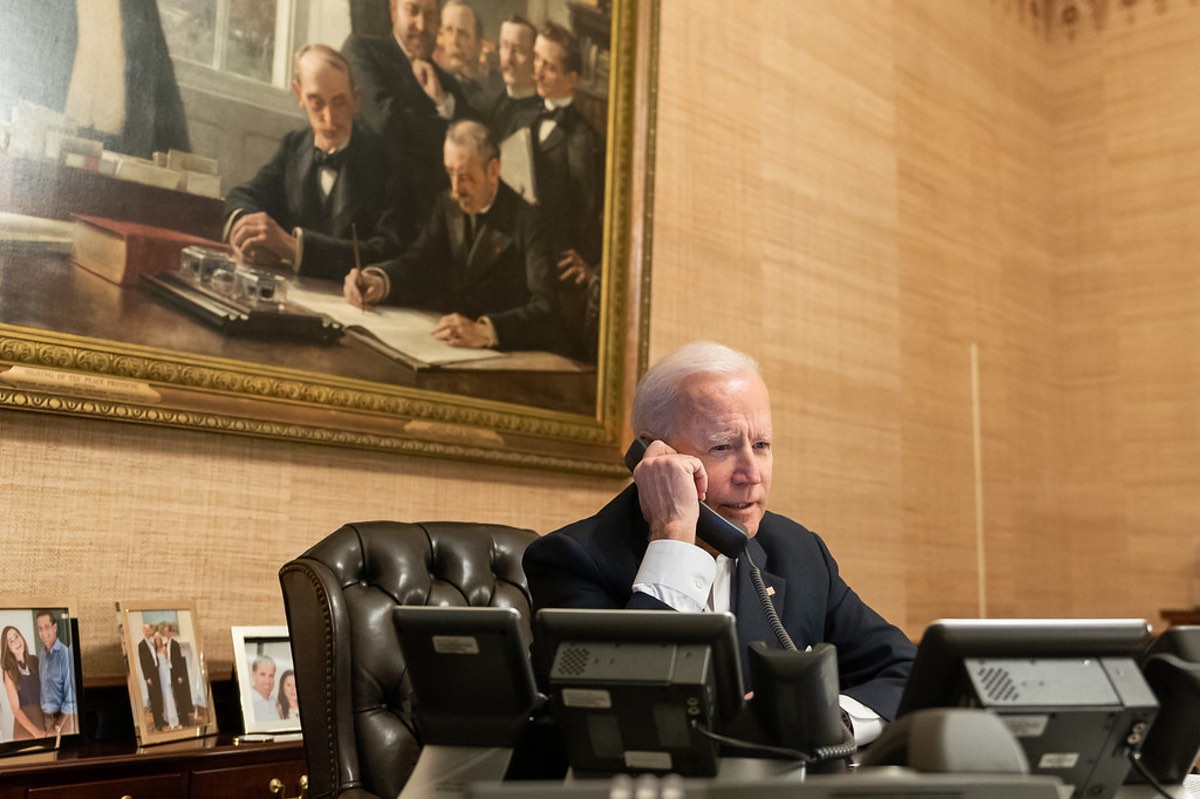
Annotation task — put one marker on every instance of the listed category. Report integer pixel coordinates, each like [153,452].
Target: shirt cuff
[493,341]
[866,723]
[234,215]
[445,108]
[678,574]
[382,275]
[298,234]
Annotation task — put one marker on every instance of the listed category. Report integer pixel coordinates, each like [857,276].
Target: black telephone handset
[725,536]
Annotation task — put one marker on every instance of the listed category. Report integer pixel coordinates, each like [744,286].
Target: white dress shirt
[688,579]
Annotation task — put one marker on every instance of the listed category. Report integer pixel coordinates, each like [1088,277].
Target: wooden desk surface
[48,292]
[1181,616]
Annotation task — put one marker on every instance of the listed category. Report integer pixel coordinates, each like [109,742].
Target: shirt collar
[405,50]
[340,147]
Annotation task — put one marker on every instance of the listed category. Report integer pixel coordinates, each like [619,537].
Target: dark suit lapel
[341,200]
[556,139]
[304,190]
[456,223]
[489,245]
[752,622]
[404,75]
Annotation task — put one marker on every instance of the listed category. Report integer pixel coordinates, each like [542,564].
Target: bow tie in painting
[329,160]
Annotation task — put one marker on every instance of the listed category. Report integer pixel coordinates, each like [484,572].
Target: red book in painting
[121,252]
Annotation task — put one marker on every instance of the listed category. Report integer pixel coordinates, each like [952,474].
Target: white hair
[658,392]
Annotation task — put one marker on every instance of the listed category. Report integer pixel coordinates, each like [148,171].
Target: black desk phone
[725,536]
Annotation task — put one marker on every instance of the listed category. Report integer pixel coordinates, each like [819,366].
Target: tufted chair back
[360,738]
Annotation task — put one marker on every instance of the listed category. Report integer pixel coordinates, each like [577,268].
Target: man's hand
[362,289]
[670,487]
[572,268]
[259,240]
[427,79]
[459,331]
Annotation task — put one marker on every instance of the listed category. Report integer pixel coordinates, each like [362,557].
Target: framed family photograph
[43,684]
[266,680]
[169,692]
[199,103]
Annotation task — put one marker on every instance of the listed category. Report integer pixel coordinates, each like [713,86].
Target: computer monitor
[631,689]
[471,678]
[1068,689]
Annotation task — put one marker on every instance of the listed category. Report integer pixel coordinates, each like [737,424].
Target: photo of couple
[266,679]
[164,671]
[168,689]
[38,703]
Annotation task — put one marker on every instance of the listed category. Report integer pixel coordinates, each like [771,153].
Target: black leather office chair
[355,708]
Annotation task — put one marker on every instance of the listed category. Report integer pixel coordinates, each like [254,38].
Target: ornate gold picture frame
[571,421]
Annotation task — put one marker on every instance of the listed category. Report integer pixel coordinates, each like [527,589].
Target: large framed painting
[125,129]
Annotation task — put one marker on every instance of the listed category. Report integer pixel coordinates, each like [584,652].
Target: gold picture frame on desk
[72,343]
[169,693]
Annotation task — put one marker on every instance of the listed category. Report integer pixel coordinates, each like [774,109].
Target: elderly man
[481,259]
[517,104]
[461,50]
[327,183]
[707,412]
[408,99]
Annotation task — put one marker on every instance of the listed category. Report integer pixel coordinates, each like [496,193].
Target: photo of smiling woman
[22,686]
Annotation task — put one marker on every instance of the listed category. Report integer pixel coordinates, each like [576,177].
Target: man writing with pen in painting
[482,258]
[327,183]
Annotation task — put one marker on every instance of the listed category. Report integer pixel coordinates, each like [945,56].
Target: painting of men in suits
[568,171]
[460,50]
[516,104]
[483,259]
[328,184]
[408,99]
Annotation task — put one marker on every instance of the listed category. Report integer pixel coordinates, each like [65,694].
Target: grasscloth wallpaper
[963,251]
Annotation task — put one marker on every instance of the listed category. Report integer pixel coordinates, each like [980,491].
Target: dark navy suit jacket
[505,274]
[592,564]
[366,199]
[396,108]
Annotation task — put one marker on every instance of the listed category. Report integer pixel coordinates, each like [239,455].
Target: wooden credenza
[202,769]
[1181,616]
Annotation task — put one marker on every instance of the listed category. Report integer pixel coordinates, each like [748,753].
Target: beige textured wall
[1128,185]
[856,193]
[861,194]
[99,511]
